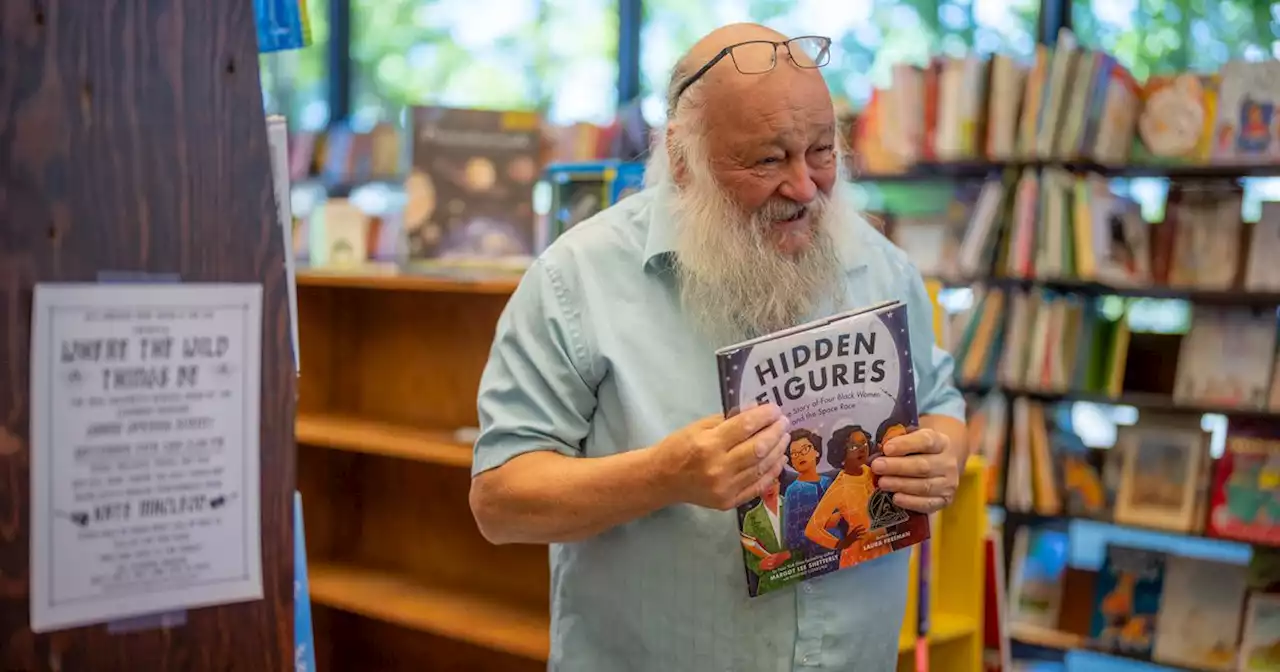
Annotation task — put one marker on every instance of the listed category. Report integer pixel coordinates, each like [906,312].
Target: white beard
[735,283]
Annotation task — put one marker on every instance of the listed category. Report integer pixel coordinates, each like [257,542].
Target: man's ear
[676,157]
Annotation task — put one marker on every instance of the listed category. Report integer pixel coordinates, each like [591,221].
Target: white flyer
[144,445]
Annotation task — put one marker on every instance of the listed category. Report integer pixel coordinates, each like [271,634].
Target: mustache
[787,210]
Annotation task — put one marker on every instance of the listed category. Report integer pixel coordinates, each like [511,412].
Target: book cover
[1127,600]
[469,192]
[1161,464]
[1245,498]
[1200,613]
[1038,565]
[847,385]
[1260,642]
[304,652]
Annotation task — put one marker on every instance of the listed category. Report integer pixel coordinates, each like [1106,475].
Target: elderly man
[600,431]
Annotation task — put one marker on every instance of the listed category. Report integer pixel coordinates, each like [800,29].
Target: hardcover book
[1127,601]
[1245,500]
[847,385]
[1260,641]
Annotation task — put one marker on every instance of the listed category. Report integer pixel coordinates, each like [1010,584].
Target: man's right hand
[720,463]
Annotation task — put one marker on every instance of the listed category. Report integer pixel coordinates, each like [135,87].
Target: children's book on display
[847,385]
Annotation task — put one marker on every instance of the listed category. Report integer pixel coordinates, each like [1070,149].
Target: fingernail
[877,466]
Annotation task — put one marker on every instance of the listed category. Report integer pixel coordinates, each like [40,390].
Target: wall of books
[1109,241]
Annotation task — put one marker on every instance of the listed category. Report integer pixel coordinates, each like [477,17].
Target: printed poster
[144,445]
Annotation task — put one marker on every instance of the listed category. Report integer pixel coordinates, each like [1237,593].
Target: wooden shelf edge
[943,628]
[495,284]
[440,611]
[378,438]
[1045,637]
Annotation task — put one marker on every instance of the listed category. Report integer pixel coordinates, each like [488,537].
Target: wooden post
[132,138]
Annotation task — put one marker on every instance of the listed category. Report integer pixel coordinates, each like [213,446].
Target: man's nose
[798,184]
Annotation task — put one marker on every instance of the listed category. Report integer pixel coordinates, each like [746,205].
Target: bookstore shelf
[978,170]
[1014,518]
[443,611]
[381,438]
[495,283]
[1043,638]
[1144,400]
[1071,286]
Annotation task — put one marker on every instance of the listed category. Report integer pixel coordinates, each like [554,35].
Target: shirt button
[805,660]
[808,588]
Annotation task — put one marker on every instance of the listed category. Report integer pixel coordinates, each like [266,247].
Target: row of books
[1044,341]
[1068,103]
[468,192]
[1168,608]
[1054,225]
[344,155]
[1160,474]
[339,234]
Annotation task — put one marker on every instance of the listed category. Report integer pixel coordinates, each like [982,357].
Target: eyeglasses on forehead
[756,57]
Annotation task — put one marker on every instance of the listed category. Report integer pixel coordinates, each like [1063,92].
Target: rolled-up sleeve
[934,367]
[536,391]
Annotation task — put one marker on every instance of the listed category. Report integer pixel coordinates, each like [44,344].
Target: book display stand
[132,140]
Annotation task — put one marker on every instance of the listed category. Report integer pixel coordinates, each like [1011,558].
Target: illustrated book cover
[1037,573]
[1200,613]
[469,192]
[1260,639]
[1127,600]
[847,385]
[1244,503]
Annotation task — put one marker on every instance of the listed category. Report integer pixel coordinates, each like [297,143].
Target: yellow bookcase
[400,577]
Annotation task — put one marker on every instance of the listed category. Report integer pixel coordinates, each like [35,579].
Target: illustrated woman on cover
[803,495]
[762,539]
[848,497]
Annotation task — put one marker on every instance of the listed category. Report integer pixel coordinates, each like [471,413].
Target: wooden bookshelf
[390,371]
[476,282]
[380,438]
[438,610]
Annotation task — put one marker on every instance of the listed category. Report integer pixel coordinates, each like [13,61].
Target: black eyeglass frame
[818,62]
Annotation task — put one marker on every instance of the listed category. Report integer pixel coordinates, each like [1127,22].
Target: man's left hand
[921,469]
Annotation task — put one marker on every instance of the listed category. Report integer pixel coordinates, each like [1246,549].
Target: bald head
[724,78]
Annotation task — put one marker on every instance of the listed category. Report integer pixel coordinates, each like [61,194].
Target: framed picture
[1162,476]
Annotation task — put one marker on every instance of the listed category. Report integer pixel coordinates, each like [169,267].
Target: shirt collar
[660,241]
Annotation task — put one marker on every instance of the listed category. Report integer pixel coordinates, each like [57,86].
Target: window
[868,36]
[295,82]
[555,56]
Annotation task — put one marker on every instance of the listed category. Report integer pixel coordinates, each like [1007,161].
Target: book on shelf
[469,193]
[1200,605]
[1226,359]
[1246,129]
[278,142]
[1260,641]
[996,650]
[1036,577]
[1127,600]
[846,384]
[1165,474]
[1245,498]
[1068,103]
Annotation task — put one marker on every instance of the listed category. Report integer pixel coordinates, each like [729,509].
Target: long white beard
[735,283]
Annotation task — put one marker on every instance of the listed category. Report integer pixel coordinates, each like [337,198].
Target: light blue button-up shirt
[594,356]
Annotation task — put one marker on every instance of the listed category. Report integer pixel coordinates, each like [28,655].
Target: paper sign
[144,444]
